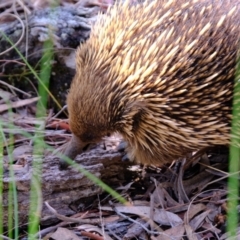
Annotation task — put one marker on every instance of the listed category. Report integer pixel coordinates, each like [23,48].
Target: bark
[67,191]
[68,26]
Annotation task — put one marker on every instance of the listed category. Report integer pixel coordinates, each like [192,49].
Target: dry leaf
[193,210]
[160,216]
[190,233]
[175,233]
[22,151]
[92,228]
[135,229]
[65,234]
[196,222]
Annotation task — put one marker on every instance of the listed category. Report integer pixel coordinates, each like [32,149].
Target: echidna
[161,73]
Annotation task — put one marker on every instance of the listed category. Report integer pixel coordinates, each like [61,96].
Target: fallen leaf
[64,234]
[175,233]
[92,228]
[161,216]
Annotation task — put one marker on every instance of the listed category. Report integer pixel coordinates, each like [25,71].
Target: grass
[39,146]
[12,197]
[1,182]
[234,161]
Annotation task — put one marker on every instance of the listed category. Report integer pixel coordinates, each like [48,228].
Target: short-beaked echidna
[161,73]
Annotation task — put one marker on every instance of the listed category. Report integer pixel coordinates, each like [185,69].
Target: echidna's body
[160,73]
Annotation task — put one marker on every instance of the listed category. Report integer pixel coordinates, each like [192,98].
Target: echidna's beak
[74,147]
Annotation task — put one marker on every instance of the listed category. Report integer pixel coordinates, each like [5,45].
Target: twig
[14,88]
[21,37]
[72,220]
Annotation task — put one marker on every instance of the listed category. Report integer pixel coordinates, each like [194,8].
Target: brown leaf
[193,210]
[161,216]
[135,229]
[175,233]
[190,233]
[196,222]
[22,151]
[92,228]
[64,234]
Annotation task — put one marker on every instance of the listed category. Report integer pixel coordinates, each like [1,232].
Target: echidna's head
[88,104]
[104,96]
[99,102]
[97,105]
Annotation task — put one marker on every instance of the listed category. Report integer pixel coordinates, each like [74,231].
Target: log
[65,190]
[68,26]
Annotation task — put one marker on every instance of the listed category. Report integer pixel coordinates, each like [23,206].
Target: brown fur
[160,73]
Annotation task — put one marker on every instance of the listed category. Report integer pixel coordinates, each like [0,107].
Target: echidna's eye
[87,137]
[85,147]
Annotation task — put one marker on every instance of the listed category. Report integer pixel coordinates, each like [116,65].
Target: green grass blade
[12,194]
[39,145]
[234,159]
[1,182]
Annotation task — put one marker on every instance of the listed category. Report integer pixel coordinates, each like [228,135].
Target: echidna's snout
[74,147]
